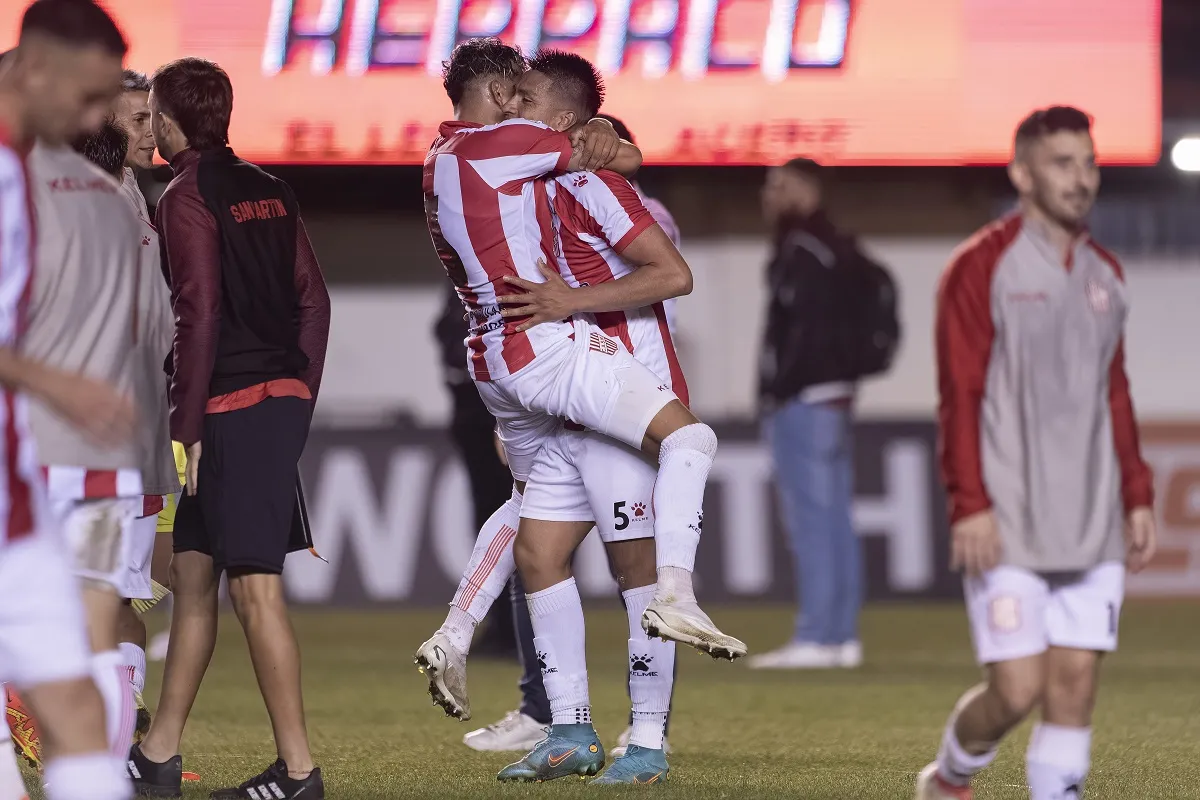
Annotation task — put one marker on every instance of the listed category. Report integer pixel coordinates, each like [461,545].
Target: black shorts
[246,504]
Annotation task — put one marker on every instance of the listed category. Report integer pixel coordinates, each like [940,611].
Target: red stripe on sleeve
[963,337]
[1137,480]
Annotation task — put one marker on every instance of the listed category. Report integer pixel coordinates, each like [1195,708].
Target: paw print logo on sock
[639,511]
[541,657]
[698,525]
[640,665]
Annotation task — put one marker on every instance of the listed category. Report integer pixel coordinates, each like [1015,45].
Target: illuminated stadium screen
[865,82]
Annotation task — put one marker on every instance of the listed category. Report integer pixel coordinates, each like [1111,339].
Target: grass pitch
[859,735]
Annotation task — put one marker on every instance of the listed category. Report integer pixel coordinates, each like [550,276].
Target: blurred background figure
[827,302]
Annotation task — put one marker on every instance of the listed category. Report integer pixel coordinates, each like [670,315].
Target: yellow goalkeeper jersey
[166,517]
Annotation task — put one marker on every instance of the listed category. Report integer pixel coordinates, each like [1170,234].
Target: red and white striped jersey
[478,185]
[18,456]
[595,216]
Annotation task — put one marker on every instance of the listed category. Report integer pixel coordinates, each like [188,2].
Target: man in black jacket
[807,386]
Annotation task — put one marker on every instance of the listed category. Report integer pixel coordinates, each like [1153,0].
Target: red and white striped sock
[486,575]
[111,676]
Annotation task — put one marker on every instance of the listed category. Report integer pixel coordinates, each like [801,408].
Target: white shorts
[136,585]
[43,636]
[100,534]
[581,476]
[592,380]
[1016,613]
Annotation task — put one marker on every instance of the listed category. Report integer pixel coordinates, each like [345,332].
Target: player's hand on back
[596,144]
[94,407]
[549,301]
[1141,538]
[975,543]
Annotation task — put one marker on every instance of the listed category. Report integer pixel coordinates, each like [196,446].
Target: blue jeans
[812,444]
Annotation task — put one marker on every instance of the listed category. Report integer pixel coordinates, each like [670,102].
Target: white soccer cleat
[623,744]
[807,655]
[446,670]
[686,623]
[931,787]
[516,733]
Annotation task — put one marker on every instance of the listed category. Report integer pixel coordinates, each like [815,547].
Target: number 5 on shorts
[620,516]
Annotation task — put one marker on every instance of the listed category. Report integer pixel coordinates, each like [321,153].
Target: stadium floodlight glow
[1185,155]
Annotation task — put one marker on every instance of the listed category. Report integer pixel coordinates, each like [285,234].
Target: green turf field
[737,734]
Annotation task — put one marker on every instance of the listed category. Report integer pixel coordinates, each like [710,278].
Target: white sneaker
[930,787]
[446,670]
[623,744]
[517,732]
[798,655]
[850,655]
[686,623]
[157,649]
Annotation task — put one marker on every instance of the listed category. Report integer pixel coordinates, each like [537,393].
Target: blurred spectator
[830,322]
[473,431]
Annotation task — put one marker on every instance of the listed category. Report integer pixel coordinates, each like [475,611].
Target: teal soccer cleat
[567,750]
[637,765]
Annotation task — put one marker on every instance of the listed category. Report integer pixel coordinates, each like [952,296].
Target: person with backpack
[831,322]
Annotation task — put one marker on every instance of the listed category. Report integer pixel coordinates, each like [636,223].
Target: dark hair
[574,77]
[479,58]
[197,94]
[106,148]
[134,81]
[621,128]
[807,168]
[1047,121]
[80,23]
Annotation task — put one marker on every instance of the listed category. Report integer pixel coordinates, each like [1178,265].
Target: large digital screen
[879,82]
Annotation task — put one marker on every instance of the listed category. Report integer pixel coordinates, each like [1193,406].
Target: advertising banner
[904,82]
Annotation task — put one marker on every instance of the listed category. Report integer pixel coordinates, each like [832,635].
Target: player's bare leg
[543,553]
[103,607]
[75,750]
[651,669]
[194,626]
[684,447]
[1059,754]
[443,657]
[258,600]
[981,718]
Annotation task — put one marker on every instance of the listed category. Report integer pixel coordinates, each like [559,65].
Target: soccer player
[252,324]
[531,374]
[523,728]
[57,84]
[1040,455]
[602,232]
[131,115]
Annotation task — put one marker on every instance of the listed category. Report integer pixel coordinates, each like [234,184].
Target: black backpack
[878,334]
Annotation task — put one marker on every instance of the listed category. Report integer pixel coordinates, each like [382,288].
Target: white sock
[651,673]
[684,460]
[1057,761]
[486,575]
[558,637]
[120,709]
[955,765]
[12,786]
[134,658]
[95,776]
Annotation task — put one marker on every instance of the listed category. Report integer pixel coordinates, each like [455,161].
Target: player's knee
[1071,686]
[696,437]
[1016,696]
[632,563]
[249,591]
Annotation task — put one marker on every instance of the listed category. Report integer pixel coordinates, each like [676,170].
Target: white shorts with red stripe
[101,514]
[581,476]
[592,380]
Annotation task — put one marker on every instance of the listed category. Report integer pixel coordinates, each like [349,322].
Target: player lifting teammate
[1041,461]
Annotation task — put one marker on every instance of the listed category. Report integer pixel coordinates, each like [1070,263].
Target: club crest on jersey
[1097,297]
[1004,614]
[602,344]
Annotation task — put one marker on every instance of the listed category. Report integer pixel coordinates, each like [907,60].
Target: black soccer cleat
[152,779]
[274,783]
